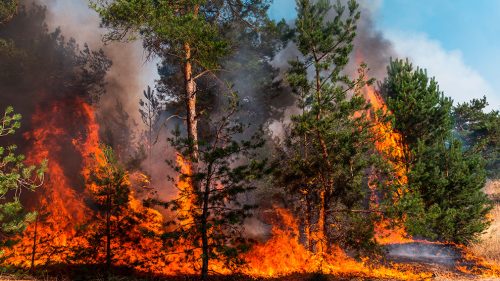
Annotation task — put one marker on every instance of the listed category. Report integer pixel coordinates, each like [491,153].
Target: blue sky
[458,41]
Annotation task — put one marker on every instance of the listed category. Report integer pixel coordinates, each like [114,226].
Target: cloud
[456,79]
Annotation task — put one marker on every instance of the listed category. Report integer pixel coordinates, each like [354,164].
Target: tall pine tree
[330,146]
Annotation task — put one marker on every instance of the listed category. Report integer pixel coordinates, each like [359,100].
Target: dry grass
[489,246]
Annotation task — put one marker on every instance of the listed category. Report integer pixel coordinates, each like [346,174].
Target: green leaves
[7,10]
[209,209]
[14,177]
[421,110]
[480,132]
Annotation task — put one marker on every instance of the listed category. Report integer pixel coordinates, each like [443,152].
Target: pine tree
[444,181]
[210,219]
[330,146]
[110,191]
[188,31]
[449,182]
[15,176]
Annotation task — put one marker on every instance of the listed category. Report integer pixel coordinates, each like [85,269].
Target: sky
[457,41]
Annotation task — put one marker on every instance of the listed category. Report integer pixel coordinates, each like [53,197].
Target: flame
[67,133]
[283,254]
[389,143]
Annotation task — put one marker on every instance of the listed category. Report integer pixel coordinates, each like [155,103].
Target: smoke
[130,72]
[371,45]
[423,252]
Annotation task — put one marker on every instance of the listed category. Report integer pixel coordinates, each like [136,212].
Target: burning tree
[110,191]
[210,219]
[14,177]
[330,147]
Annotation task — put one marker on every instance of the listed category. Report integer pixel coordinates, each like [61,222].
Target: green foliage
[167,26]
[450,183]
[480,132]
[7,10]
[444,199]
[228,170]
[111,187]
[421,111]
[14,177]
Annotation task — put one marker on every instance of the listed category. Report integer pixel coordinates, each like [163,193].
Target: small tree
[150,111]
[210,219]
[109,190]
[14,177]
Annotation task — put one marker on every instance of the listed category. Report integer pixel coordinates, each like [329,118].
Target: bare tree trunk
[190,85]
[322,224]
[204,226]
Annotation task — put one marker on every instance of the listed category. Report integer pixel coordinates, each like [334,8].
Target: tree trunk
[308,224]
[190,96]
[33,249]
[190,84]
[108,237]
[204,226]
[326,182]
[322,224]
